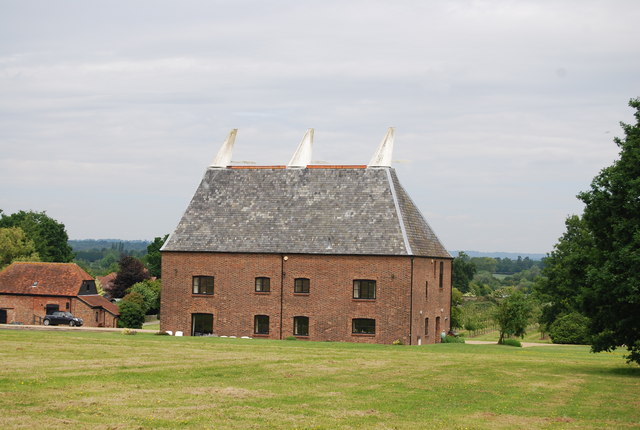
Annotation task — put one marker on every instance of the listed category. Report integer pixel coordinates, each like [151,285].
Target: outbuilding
[30,290]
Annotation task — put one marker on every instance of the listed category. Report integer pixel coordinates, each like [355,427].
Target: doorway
[201,324]
[3,316]
[51,309]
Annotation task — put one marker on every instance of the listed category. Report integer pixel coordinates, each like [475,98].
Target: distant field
[110,381]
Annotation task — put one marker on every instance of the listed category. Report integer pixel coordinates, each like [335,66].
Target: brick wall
[329,305]
[21,309]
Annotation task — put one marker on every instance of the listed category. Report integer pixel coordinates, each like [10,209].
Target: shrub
[572,328]
[511,342]
[398,342]
[129,332]
[453,339]
[131,314]
[290,338]
[162,333]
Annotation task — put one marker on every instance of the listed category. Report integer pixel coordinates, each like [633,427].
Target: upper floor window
[441,273]
[203,285]
[263,285]
[364,289]
[363,326]
[301,285]
[261,324]
[301,326]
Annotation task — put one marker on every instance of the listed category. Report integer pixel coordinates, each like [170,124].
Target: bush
[162,333]
[398,342]
[453,339]
[131,314]
[572,329]
[511,342]
[129,332]
[290,338]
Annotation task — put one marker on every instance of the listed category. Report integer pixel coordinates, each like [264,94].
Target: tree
[14,245]
[131,311]
[131,271]
[150,291]
[153,258]
[456,309]
[512,315]
[564,278]
[463,271]
[612,215]
[48,235]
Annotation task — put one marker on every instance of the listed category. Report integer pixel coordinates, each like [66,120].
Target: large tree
[612,215]
[463,271]
[15,245]
[131,272]
[564,279]
[153,258]
[48,235]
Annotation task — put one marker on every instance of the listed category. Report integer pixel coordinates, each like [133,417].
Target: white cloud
[508,106]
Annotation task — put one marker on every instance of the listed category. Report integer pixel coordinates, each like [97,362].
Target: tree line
[587,290]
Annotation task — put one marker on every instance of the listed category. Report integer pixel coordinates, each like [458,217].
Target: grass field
[110,381]
[531,336]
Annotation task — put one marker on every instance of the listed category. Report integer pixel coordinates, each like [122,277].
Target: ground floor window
[201,324]
[426,326]
[301,326]
[363,326]
[261,324]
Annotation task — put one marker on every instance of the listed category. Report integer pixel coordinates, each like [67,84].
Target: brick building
[29,291]
[327,253]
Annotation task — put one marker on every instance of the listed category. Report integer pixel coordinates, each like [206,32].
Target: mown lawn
[111,381]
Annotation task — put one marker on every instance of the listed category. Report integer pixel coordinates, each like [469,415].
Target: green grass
[532,336]
[154,325]
[110,381]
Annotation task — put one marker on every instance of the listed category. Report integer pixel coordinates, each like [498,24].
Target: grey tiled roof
[304,211]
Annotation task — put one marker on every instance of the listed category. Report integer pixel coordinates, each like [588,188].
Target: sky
[110,112]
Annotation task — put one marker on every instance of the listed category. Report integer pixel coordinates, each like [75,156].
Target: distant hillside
[510,255]
[127,245]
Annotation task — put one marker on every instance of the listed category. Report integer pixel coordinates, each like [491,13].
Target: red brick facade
[409,290]
[30,290]
[25,309]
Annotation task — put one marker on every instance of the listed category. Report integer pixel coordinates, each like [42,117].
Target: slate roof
[337,210]
[51,279]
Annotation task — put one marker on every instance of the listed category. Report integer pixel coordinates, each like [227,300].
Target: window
[441,273]
[203,285]
[97,316]
[426,327]
[364,289]
[301,326]
[201,324]
[426,290]
[261,324]
[263,285]
[301,285]
[363,326]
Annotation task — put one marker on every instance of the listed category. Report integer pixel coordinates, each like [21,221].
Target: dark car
[59,317]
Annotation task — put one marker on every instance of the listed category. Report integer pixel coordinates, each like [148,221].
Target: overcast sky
[504,110]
